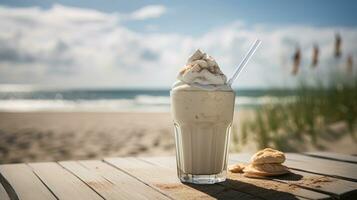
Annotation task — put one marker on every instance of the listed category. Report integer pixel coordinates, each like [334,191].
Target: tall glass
[202,122]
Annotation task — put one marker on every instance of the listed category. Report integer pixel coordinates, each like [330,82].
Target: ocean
[116,100]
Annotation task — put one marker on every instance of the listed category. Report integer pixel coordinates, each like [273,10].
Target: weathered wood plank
[334,156]
[164,161]
[267,189]
[315,165]
[63,183]
[271,189]
[105,188]
[165,180]
[112,183]
[3,193]
[23,183]
[347,171]
[342,189]
[335,187]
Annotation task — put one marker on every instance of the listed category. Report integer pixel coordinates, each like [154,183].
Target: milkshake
[202,106]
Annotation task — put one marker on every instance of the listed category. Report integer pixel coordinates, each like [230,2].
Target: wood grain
[335,187]
[156,178]
[24,183]
[165,180]
[124,185]
[334,156]
[62,183]
[260,188]
[333,168]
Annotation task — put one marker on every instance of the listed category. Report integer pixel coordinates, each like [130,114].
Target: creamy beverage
[202,106]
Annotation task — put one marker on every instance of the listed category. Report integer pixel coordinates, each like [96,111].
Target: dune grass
[288,125]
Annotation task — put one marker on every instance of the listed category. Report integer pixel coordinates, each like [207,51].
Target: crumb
[237,168]
[169,186]
[315,181]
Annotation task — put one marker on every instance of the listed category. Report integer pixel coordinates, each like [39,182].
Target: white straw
[244,62]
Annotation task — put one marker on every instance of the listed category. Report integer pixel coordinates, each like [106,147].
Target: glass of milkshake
[202,106]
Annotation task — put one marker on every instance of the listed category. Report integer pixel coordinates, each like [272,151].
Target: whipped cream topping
[201,71]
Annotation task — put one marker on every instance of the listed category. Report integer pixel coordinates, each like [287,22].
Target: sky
[138,44]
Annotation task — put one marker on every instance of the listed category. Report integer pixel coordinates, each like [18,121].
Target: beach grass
[306,117]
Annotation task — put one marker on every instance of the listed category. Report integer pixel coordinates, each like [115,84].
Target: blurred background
[91,79]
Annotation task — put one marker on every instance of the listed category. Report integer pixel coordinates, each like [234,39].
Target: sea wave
[138,103]
[30,105]
[152,100]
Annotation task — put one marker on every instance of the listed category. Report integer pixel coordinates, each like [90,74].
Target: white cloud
[65,46]
[147,12]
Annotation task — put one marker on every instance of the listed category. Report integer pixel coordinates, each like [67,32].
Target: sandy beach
[49,136]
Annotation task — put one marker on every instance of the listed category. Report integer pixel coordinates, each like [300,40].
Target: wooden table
[314,176]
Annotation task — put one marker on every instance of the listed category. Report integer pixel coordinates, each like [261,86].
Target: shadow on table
[289,177]
[236,189]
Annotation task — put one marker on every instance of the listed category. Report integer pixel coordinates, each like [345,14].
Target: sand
[52,136]
[26,137]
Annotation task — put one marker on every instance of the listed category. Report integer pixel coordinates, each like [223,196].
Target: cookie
[252,175]
[237,168]
[269,169]
[268,155]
